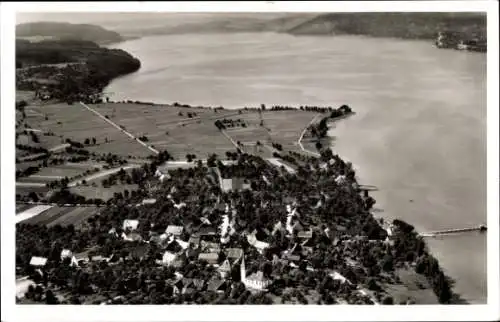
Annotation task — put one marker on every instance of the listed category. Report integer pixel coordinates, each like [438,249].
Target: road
[30,184]
[278,163]
[299,142]
[102,174]
[119,128]
[59,147]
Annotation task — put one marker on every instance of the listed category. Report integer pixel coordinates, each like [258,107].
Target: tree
[388,300]
[87,141]
[50,298]
[318,145]
[94,141]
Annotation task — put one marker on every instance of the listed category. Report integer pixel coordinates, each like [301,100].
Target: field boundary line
[302,136]
[119,128]
[102,174]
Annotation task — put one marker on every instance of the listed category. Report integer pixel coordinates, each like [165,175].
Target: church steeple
[243,272]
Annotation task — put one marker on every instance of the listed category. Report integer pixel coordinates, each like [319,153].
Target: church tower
[243,270]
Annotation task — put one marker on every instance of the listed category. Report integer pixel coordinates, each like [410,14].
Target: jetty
[480,228]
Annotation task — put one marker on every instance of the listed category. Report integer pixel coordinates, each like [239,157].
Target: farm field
[27,96]
[62,216]
[22,207]
[31,212]
[283,127]
[105,194]
[166,127]
[77,123]
[58,172]
[414,286]
[25,190]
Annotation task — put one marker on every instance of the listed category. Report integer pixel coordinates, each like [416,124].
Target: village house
[179,205]
[150,201]
[234,184]
[112,231]
[176,245]
[66,253]
[38,261]
[233,254]
[259,245]
[210,247]
[130,224]
[339,277]
[131,237]
[194,241]
[168,258]
[162,175]
[217,285]
[211,258]
[174,230]
[305,234]
[225,269]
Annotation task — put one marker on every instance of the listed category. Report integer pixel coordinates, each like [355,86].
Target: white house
[339,277]
[132,236]
[161,175]
[259,245]
[174,230]
[150,201]
[130,224]
[38,261]
[169,258]
[224,228]
[66,253]
[225,268]
[179,205]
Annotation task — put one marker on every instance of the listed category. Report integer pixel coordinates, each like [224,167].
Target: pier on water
[480,228]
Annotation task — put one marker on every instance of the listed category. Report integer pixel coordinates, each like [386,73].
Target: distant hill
[63,31]
[409,25]
[216,23]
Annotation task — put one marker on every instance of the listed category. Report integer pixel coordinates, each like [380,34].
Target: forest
[100,65]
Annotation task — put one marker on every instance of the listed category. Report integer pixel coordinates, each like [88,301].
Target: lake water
[419,134]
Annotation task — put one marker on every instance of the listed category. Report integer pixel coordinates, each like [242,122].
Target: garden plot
[48,215]
[90,192]
[22,207]
[26,190]
[75,216]
[286,126]
[31,213]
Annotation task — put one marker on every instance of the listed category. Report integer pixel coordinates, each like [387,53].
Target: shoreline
[330,122]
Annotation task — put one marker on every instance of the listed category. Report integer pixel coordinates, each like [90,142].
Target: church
[256,281]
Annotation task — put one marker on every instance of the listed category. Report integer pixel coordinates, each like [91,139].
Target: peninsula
[141,203]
